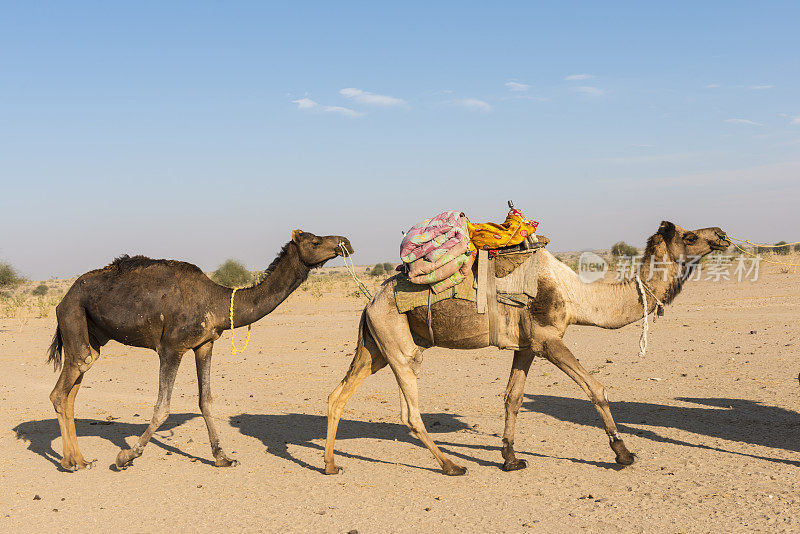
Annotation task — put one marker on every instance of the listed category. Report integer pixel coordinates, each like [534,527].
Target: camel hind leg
[367,360]
[79,355]
[392,334]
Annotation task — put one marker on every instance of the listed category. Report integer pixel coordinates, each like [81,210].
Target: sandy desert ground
[712,413]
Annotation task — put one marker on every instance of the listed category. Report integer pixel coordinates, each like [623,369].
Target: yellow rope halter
[234,349]
[761,245]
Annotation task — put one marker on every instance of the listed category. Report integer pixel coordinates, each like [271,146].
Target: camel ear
[296,235]
[667,230]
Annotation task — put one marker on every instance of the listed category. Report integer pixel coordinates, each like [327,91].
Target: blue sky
[202,131]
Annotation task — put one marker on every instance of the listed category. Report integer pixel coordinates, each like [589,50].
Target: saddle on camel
[493,265]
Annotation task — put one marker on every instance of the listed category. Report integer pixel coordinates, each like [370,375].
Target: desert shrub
[388,267]
[782,249]
[40,290]
[9,276]
[232,274]
[623,249]
[378,270]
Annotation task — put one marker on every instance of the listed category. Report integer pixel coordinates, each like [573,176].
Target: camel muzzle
[723,243]
[344,247]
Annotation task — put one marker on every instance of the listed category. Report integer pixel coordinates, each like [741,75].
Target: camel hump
[127,263]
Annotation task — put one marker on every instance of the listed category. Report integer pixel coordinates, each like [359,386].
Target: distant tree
[232,274]
[9,277]
[40,290]
[388,267]
[782,249]
[797,247]
[378,270]
[623,249]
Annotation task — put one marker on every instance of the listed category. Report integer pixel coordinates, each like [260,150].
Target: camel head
[316,250]
[683,245]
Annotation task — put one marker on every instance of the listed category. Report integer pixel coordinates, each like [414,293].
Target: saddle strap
[483,271]
[491,304]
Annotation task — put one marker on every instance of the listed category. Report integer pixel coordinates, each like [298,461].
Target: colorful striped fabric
[432,238]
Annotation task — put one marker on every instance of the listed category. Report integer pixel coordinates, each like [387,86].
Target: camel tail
[55,352]
[363,330]
[368,354]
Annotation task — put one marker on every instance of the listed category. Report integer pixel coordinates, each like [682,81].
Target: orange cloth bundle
[512,232]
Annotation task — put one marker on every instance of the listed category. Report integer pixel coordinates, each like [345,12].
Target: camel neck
[614,305]
[253,303]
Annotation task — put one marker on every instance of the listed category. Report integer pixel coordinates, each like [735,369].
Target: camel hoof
[225,462]
[453,470]
[125,458]
[624,457]
[516,465]
[333,469]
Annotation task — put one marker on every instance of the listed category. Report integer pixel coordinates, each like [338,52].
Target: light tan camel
[387,336]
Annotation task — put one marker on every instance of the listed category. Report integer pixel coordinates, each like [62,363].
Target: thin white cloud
[305,103]
[342,111]
[517,86]
[643,146]
[473,104]
[308,104]
[578,77]
[712,86]
[743,121]
[371,99]
[589,90]
[796,120]
[760,87]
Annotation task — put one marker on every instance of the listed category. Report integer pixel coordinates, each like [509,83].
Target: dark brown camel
[170,307]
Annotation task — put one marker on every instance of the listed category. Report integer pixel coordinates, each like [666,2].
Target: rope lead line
[234,349]
[645,322]
[759,245]
[351,268]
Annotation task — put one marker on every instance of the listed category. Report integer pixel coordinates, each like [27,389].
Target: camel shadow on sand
[278,431]
[740,420]
[41,433]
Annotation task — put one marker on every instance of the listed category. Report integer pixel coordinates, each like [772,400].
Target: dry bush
[232,274]
[9,277]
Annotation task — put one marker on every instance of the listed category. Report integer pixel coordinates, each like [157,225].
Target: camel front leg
[168,370]
[513,400]
[202,356]
[557,352]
